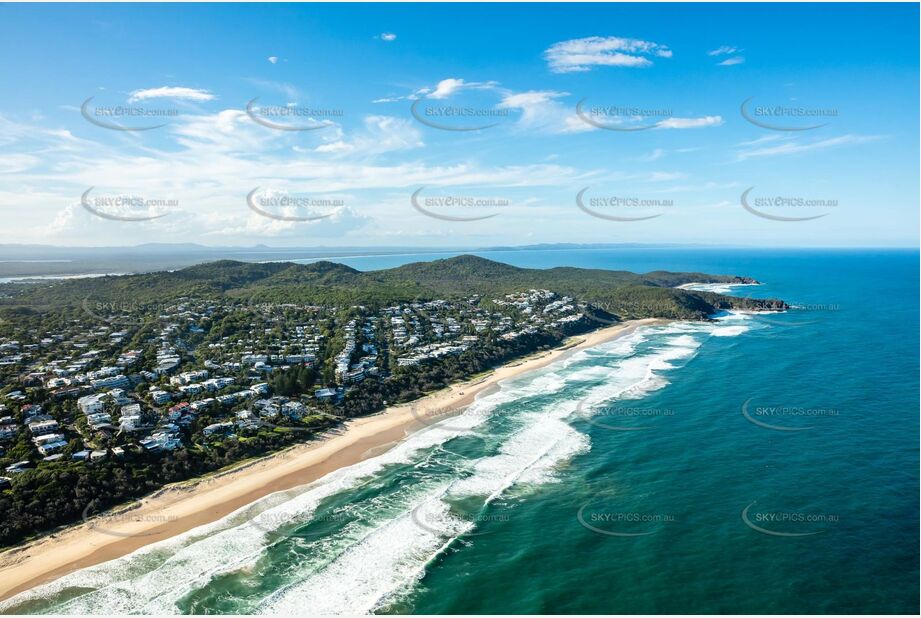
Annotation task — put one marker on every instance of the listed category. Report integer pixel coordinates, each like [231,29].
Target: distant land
[626,294]
[48,260]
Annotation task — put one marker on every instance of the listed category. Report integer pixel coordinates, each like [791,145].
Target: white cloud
[723,50]
[728,62]
[582,54]
[447,87]
[541,110]
[14,163]
[655,155]
[690,123]
[272,59]
[290,91]
[665,176]
[388,36]
[765,139]
[531,98]
[211,161]
[381,134]
[230,130]
[705,186]
[170,92]
[444,89]
[792,146]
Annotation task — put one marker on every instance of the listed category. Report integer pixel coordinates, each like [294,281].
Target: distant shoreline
[183,506]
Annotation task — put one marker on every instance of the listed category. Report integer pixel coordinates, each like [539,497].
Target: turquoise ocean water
[756,464]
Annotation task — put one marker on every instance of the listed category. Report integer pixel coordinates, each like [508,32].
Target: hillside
[621,293]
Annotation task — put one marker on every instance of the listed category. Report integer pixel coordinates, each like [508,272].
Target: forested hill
[622,293]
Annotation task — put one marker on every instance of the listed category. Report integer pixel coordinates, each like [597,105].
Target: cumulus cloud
[170,92]
[272,59]
[578,55]
[387,36]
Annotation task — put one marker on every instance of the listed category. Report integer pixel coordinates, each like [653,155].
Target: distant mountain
[622,293]
[42,260]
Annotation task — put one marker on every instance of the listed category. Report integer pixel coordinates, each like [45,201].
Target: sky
[459,125]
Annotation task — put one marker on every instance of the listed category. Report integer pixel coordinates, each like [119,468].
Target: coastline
[180,507]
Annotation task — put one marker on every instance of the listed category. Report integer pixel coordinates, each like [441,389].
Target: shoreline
[179,507]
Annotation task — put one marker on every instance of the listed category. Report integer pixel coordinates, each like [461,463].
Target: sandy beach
[181,507]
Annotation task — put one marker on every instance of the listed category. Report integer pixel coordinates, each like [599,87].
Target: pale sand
[183,506]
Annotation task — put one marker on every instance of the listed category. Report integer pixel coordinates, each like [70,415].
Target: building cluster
[96,386]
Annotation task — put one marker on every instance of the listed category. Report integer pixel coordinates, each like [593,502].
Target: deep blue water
[855,357]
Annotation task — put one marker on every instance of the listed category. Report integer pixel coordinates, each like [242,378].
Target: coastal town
[113,388]
[116,381]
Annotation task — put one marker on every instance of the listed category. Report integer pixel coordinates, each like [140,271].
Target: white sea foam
[386,559]
[719,288]
[391,558]
[733,324]
[195,557]
[729,331]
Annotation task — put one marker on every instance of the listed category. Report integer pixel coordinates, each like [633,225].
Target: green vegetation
[622,293]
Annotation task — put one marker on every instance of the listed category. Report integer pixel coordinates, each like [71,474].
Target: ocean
[754,464]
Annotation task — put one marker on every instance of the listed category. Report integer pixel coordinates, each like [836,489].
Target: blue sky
[348,77]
